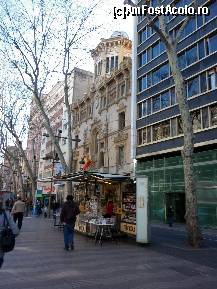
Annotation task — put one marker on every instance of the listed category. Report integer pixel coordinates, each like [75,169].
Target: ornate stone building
[101,118]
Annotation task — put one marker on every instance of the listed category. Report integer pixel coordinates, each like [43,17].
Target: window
[99,72]
[212,11]
[156,103]
[161,130]
[154,3]
[142,35]
[121,118]
[165,99]
[142,136]
[213,114]
[199,20]
[201,49]
[101,159]
[140,18]
[143,58]
[205,117]
[155,50]
[203,82]
[193,86]
[196,120]
[211,44]
[112,63]
[107,64]
[141,109]
[164,71]
[182,60]
[191,55]
[142,83]
[116,62]
[188,57]
[121,155]
[149,134]
[149,104]
[212,79]
[174,126]
[149,31]
[190,27]
[160,74]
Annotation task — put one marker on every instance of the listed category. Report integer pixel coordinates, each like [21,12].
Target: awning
[95,177]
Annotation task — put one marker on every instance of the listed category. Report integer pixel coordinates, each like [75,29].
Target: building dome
[119,34]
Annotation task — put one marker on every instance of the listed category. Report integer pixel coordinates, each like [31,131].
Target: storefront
[104,196]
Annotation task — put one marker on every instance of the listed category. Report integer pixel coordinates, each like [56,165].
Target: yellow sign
[119,211]
[128,228]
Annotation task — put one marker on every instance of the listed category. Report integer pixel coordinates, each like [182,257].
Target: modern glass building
[158,121]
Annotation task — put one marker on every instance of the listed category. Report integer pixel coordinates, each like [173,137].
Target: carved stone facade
[101,118]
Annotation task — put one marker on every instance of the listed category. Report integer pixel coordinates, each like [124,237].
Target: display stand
[128,222]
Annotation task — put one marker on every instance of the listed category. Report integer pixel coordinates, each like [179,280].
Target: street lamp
[63,137]
[55,159]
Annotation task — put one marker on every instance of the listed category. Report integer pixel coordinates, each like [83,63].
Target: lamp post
[54,159]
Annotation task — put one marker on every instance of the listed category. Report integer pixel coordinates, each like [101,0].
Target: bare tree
[32,48]
[13,121]
[193,230]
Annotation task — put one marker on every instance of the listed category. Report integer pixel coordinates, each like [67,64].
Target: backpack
[7,240]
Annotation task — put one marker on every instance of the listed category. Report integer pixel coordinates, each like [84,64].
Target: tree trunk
[69,134]
[19,173]
[50,131]
[34,188]
[193,230]
[8,156]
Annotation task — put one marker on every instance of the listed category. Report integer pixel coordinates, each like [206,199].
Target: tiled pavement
[39,262]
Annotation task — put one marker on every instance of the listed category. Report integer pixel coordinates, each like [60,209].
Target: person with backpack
[6,222]
[68,215]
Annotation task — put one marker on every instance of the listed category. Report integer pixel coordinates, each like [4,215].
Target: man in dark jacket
[68,217]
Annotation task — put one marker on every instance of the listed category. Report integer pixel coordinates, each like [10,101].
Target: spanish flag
[87,164]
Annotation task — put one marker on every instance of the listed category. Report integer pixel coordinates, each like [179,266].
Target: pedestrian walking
[68,217]
[3,222]
[18,212]
[170,216]
[45,210]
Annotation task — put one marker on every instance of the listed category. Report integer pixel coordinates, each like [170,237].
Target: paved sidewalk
[39,262]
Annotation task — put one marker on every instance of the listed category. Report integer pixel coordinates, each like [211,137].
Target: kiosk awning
[94,176]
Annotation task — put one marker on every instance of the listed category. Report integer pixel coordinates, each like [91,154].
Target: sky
[103,16]
[110,25]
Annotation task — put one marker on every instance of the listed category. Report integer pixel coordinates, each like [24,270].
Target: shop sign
[128,228]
